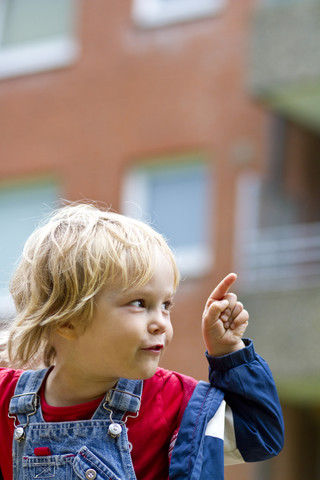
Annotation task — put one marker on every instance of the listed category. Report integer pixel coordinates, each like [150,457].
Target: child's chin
[149,375]
[146,374]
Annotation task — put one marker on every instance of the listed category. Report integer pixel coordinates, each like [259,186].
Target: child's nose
[158,323]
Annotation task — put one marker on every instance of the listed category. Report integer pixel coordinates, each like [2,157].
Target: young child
[93,293]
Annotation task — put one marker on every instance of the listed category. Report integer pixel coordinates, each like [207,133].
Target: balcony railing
[281,257]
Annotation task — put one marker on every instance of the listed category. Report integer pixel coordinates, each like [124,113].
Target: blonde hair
[66,263]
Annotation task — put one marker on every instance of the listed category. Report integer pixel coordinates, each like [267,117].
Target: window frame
[40,55]
[193,260]
[10,192]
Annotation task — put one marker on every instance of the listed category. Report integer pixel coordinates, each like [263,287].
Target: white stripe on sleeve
[222,426]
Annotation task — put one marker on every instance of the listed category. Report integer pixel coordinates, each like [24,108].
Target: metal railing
[282,257]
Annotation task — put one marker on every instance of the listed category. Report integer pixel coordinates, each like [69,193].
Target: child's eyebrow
[141,292]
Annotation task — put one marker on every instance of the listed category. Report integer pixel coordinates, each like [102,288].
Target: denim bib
[86,449]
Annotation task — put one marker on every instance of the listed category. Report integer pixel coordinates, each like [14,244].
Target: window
[21,209]
[157,13]
[174,198]
[36,35]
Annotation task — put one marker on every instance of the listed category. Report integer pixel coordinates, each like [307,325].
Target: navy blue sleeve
[250,391]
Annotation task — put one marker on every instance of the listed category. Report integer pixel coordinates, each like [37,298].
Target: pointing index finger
[222,289]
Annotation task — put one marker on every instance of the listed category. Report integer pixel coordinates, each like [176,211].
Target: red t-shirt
[164,399]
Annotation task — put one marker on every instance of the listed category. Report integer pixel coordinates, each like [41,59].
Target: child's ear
[68,331]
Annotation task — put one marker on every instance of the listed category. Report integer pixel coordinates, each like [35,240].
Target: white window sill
[158,13]
[38,57]
[194,261]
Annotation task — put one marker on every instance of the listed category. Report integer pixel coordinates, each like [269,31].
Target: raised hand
[224,320]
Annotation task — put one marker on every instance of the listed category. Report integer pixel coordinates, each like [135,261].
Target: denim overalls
[86,449]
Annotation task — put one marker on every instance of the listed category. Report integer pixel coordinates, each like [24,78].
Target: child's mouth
[154,348]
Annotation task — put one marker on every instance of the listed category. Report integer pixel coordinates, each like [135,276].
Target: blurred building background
[202,117]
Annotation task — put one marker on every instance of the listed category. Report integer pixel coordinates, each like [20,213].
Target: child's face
[129,331]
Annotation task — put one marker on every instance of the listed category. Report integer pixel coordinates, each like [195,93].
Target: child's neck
[64,390]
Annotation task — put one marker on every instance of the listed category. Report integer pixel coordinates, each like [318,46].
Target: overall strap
[124,397]
[25,399]
[127,395]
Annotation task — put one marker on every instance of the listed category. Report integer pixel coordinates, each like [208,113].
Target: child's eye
[167,306]
[138,303]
